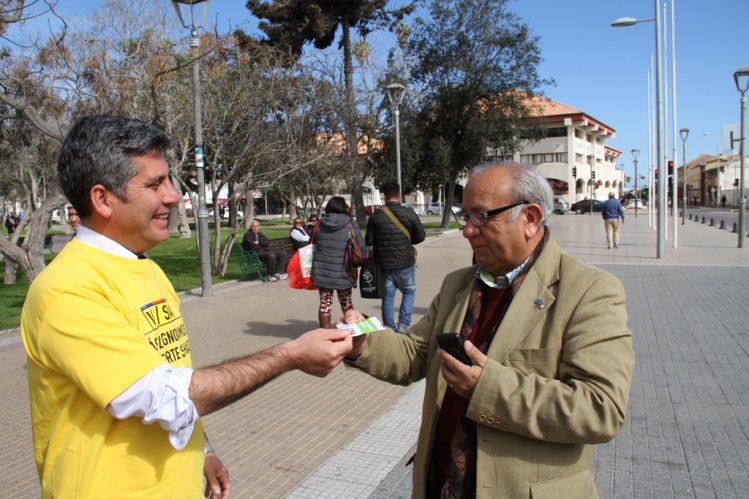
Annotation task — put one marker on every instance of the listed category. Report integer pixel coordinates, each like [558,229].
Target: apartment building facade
[573,154]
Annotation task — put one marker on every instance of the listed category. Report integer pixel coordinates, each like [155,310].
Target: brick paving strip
[687,429]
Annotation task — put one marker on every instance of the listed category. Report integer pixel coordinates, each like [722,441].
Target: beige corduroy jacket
[556,382]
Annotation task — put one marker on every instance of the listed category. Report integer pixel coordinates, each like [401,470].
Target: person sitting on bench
[256,241]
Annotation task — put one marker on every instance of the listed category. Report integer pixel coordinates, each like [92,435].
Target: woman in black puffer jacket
[328,273]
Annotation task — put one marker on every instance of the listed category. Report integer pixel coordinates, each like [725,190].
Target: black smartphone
[452,343]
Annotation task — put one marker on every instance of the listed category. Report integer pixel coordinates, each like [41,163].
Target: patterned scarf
[452,468]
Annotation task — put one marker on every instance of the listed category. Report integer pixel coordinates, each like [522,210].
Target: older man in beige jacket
[551,355]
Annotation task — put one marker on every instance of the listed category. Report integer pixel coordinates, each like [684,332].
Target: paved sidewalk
[348,436]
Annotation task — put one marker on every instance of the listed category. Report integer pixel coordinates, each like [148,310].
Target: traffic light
[735,182]
[670,167]
[574,172]
[593,174]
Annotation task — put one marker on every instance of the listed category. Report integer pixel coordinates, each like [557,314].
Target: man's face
[255,226]
[140,221]
[73,218]
[501,244]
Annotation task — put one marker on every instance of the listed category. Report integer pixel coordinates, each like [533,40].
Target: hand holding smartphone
[452,343]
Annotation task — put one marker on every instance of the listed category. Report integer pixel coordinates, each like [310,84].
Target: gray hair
[527,185]
[99,150]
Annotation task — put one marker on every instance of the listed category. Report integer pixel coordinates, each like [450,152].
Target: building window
[556,132]
[537,159]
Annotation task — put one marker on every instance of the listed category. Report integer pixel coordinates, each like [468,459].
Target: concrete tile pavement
[686,432]
[348,436]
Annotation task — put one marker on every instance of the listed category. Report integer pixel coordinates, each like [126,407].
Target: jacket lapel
[454,319]
[530,305]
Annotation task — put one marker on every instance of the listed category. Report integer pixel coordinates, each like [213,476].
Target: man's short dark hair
[99,150]
[390,189]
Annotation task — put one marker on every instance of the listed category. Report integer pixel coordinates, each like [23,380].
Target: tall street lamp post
[635,153]
[395,94]
[741,77]
[205,256]
[684,132]
[630,21]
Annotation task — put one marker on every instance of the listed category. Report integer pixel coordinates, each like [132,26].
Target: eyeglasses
[479,219]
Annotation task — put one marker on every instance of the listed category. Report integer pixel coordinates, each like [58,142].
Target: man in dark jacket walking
[612,211]
[392,231]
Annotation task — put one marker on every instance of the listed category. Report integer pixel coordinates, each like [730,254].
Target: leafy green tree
[476,66]
[295,23]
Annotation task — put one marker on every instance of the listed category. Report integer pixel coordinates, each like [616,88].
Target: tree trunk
[10,272]
[449,196]
[349,125]
[178,216]
[29,257]
[223,261]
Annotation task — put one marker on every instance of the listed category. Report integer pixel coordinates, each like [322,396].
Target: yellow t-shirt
[93,324]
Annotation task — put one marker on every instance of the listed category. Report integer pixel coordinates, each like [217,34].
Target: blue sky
[603,71]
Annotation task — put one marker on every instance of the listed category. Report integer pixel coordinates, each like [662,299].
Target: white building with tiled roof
[573,154]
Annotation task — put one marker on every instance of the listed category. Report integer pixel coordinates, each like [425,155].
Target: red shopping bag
[296,276]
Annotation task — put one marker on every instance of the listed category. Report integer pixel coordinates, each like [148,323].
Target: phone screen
[452,343]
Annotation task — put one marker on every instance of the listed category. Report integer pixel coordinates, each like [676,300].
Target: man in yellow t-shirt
[115,404]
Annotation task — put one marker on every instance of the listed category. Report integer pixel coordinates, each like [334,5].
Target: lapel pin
[539,303]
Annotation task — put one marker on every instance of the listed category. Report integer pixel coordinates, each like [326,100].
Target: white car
[436,208]
[560,205]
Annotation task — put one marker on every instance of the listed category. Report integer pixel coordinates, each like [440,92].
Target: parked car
[436,207]
[368,210]
[584,206]
[639,203]
[560,205]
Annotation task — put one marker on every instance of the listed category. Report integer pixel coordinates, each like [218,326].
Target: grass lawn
[177,257]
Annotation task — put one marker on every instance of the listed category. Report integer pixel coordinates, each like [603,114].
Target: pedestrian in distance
[275,261]
[392,231]
[723,201]
[311,222]
[298,234]
[11,222]
[116,407]
[549,354]
[73,219]
[334,230]
[612,211]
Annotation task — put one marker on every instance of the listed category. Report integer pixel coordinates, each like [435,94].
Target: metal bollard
[712,222]
[722,224]
[690,216]
[703,219]
[734,227]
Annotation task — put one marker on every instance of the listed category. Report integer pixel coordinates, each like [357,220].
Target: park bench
[250,263]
